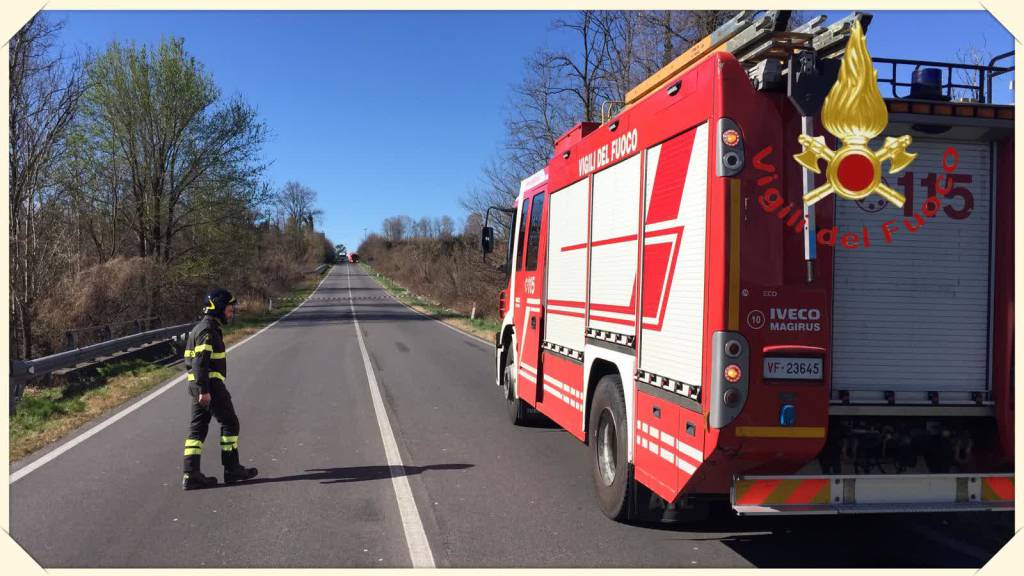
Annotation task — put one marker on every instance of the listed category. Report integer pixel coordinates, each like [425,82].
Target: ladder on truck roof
[757,43]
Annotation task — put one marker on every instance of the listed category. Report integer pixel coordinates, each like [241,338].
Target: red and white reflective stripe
[663,444]
[560,308]
[616,315]
[690,451]
[528,372]
[666,227]
[568,394]
[533,301]
[560,396]
[674,241]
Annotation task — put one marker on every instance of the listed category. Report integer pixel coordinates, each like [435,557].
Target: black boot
[233,471]
[193,479]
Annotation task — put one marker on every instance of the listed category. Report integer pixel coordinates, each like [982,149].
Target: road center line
[415,535]
[36,464]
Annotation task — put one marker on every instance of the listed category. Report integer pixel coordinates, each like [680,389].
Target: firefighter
[206,361]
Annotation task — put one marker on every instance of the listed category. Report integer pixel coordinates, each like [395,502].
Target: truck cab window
[521,244]
[533,245]
[509,248]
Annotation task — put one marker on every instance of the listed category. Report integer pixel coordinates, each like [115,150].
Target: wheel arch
[507,340]
[599,368]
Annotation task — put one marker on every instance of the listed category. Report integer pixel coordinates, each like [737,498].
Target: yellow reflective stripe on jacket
[205,348]
[192,377]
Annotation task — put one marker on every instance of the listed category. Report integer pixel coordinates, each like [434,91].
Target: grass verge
[479,327]
[45,415]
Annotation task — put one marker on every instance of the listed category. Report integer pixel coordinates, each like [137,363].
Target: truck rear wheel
[616,489]
[518,411]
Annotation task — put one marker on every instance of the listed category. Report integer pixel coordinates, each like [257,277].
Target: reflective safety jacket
[205,354]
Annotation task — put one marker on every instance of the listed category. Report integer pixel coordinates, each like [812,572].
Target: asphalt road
[330,493]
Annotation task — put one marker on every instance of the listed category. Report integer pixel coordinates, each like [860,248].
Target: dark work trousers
[221,408]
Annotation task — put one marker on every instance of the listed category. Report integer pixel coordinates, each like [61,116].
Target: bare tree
[422,228]
[445,227]
[581,74]
[610,53]
[396,228]
[296,203]
[558,89]
[45,89]
[471,229]
[976,56]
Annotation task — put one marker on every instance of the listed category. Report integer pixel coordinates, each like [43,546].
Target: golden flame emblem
[854,112]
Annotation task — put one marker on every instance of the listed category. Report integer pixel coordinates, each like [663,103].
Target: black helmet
[216,301]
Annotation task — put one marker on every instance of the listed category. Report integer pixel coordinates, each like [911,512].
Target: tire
[518,411]
[617,490]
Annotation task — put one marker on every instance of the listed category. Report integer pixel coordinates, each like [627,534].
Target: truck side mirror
[487,239]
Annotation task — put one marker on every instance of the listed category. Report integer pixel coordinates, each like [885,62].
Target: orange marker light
[730,137]
[732,373]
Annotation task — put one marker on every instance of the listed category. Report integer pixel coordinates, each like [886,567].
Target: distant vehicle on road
[673,301]
[353,257]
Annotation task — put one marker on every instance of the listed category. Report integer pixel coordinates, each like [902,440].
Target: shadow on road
[852,541]
[351,474]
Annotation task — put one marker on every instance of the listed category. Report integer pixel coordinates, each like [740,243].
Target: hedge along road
[390,447]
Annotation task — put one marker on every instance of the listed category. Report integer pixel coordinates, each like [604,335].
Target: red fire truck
[674,304]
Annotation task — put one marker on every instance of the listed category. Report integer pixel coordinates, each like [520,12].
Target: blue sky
[387,113]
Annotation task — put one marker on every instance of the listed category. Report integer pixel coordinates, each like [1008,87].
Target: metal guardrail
[78,337]
[24,370]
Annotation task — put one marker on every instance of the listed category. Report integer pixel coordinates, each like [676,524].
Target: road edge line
[412,525]
[85,435]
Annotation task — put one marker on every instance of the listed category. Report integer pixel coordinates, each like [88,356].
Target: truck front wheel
[518,411]
[609,445]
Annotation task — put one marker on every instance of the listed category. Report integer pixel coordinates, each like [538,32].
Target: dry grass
[480,327]
[449,272]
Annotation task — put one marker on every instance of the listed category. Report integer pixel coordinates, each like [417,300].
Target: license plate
[777,368]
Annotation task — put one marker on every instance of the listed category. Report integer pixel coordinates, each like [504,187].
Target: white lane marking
[415,535]
[36,464]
